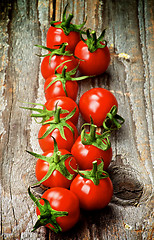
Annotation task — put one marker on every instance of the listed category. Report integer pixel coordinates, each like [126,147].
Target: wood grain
[130,30]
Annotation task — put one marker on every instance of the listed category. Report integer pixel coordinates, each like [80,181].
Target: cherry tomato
[47,143]
[96,102]
[65,103]
[56,36]
[94,53]
[62,199]
[57,89]
[86,154]
[95,63]
[56,179]
[49,65]
[91,196]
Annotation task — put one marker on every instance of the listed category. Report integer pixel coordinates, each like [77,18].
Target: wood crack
[145,59]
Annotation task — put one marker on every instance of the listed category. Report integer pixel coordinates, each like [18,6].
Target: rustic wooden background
[130,30]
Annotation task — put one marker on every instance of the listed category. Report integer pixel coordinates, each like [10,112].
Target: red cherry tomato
[86,154]
[56,179]
[62,199]
[56,89]
[95,63]
[56,36]
[49,65]
[91,196]
[47,143]
[96,102]
[65,103]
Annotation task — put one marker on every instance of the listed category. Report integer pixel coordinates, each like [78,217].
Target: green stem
[113,121]
[63,46]
[57,115]
[57,157]
[94,172]
[94,38]
[92,42]
[92,133]
[67,23]
[64,72]
[94,169]
[56,153]
[35,200]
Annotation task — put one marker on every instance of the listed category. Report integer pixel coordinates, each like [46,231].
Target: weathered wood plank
[21,28]
[130,30]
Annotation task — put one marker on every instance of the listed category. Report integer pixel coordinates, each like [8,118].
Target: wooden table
[129,30]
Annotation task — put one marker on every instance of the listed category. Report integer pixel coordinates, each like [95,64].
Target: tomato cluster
[73,165]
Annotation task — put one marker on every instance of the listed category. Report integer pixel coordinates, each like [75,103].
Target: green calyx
[47,214]
[59,123]
[60,51]
[93,42]
[95,174]
[113,121]
[66,76]
[43,113]
[56,162]
[100,141]
[66,24]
